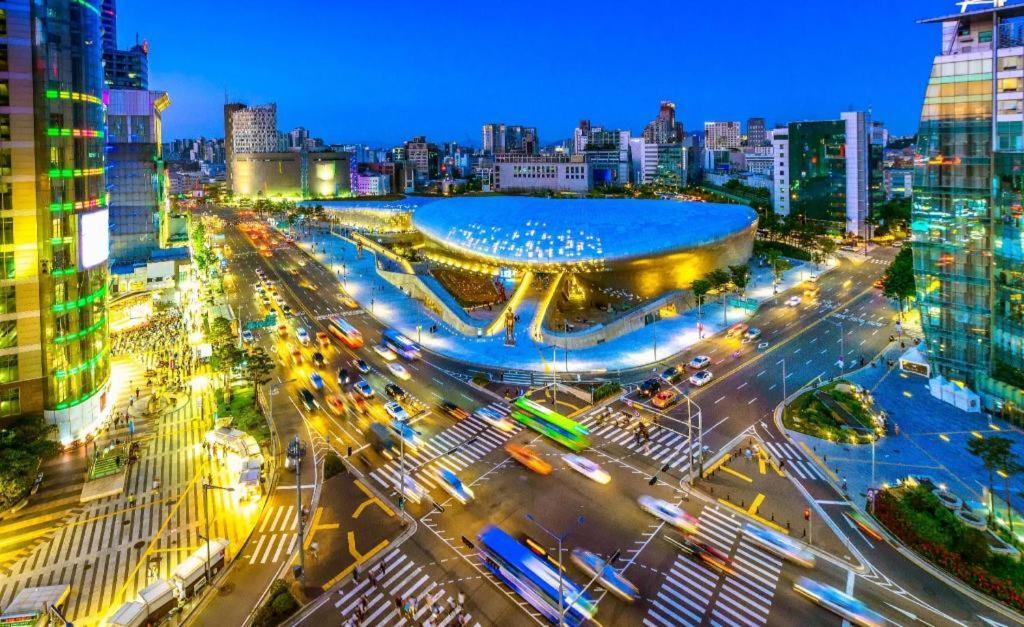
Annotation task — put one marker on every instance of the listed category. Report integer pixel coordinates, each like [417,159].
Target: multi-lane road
[848,320]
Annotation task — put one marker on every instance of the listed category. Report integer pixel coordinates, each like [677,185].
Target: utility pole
[296,451]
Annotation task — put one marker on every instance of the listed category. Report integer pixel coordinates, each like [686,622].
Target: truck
[190,575]
[380,438]
[34,607]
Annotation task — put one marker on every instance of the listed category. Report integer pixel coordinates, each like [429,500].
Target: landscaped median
[837,412]
[916,516]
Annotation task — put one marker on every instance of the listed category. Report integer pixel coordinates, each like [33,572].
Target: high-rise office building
[254,129]
[756,133]
[664,129]
[821,172]
[229,139]
[501,138]
[54,236]
[135,173]
[967,227]
[122,69]
[721,135]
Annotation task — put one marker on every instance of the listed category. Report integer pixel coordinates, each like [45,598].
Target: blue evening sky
[380,72]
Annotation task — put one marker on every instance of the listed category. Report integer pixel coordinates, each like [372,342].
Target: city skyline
[358,87]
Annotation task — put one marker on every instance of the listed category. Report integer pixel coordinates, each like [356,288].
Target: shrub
[333,466]
[279,606]
[481,379]
[606,389]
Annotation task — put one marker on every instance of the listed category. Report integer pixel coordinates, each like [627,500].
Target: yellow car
[529,458]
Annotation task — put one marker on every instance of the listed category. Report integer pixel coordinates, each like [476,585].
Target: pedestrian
[462,600]
[383,570]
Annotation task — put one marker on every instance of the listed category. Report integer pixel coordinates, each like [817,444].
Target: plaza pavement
[393,307]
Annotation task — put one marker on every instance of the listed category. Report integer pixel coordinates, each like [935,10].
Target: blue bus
[533,578]
[400,344]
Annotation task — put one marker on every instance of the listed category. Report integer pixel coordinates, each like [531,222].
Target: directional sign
[748,304]
[269,321]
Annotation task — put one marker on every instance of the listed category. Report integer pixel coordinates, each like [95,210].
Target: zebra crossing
[397,576]
[455,448]
[665,446]
[692,594]
[276,536]
[796,461]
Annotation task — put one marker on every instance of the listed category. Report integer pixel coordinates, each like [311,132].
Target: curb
[900,548]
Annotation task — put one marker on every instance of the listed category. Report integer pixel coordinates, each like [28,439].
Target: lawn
[808,414]
[246,414]
[917,518]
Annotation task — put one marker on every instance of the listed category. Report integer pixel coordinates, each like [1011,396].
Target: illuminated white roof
[524,229]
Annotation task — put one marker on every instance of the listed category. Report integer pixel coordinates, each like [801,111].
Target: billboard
[93,238]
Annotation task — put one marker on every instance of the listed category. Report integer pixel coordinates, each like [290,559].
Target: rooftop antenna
[966,4]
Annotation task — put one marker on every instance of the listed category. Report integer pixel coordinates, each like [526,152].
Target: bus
[554,425]
[400,344]
[533,578]
[345,332]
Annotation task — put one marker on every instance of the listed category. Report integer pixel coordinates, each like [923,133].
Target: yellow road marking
[758,356]
[977,435]
[763,521]
[327,526]
[760,465]
[757,503]
[372,499]
[156,536]
[345,573]
[817,459]
[713,467]
[944,437]
[737,473]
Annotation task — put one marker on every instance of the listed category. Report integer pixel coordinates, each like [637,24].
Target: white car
[385,352]
[668,512]
[496,420]
[700,361]
[793,301]
[247,336]
[396,411]
[701,378]
[302,335]
[587,468]
[399,371]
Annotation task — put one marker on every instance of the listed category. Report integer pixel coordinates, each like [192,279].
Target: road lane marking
[756,503]
[736,473]
[751,401]
[719,400]
[743,385]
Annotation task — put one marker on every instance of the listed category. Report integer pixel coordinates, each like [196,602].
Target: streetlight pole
[561,570]
[784,380]
[296,451]
[207,486]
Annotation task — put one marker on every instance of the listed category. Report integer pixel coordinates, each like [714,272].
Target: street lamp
[296,451]
[207,486]
[271,391]
[559,539]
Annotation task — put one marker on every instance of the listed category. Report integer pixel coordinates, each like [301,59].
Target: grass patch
[606,389]
[279,606]
[333,465]
[916,517]
[809,415]
[243,409]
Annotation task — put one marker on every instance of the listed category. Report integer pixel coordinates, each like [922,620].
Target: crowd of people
[161,345]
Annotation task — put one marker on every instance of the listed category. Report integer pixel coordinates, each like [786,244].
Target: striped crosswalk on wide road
[795,461]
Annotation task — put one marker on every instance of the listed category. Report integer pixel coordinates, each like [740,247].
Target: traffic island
[916,515]
[837,412]
[752,483]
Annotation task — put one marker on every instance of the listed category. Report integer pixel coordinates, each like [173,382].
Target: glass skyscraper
[53,216]
[968,240]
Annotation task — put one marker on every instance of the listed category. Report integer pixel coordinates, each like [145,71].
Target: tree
[700,288]
[898,281]
[996,454]
[777,264]
[258,366]
[740,275]
[719,280]
[23,444]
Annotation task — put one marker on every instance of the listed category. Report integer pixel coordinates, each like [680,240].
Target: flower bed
[920,521]
[808,414]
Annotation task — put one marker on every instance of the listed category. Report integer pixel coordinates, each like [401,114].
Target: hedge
[279,606]
[786,250]
[917,518]
[603,391]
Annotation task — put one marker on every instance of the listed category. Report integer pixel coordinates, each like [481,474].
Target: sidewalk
[653,343]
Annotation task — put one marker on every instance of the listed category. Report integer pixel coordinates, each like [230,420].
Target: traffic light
[807,513]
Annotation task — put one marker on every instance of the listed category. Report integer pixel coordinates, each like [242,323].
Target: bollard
[728,497]
[773,517]
[787,525]
[805,533]
[743,503]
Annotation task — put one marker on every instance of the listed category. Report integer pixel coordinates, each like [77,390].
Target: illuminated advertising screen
[93,238]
